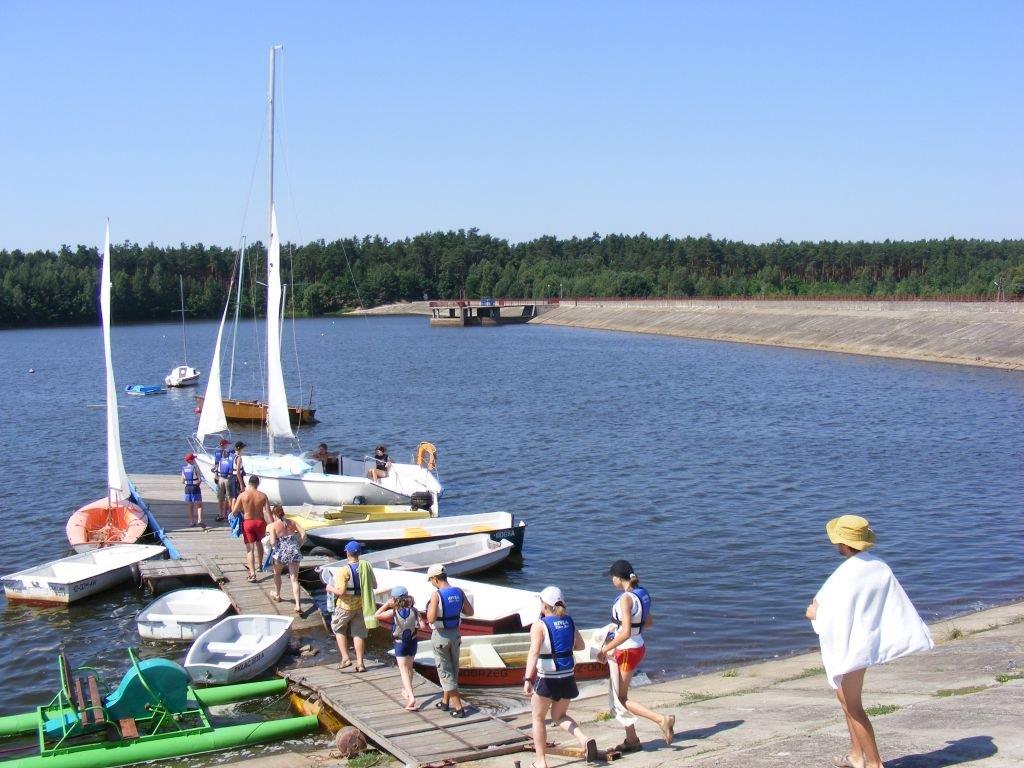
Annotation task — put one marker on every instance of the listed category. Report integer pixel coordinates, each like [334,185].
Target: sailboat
[113,519]
[293,479]
[182,375]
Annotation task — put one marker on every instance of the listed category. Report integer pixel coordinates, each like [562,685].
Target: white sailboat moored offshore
[294,479]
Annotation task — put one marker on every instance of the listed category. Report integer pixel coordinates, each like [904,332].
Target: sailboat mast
[270,188]
[184,338]
[238,304]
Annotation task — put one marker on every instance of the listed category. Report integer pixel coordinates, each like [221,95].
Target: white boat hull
[182,615]
[74,578]
[238,648]
[460,557]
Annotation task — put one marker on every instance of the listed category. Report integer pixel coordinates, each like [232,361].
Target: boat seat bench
[485,656]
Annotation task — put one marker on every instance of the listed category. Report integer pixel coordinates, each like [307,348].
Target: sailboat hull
[101,523]
[255,412]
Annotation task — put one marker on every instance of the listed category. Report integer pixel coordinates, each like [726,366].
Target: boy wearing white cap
[444,611]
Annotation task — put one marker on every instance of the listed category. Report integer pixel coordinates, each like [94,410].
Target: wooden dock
[371,702]
[214,554]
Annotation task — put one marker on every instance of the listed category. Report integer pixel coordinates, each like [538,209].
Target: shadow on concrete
[711,730]
[954,753]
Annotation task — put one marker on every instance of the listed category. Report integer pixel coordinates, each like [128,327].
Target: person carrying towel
[550,677]
[862,617]
[631,613]
[445,609]
[353,586]
[405,623]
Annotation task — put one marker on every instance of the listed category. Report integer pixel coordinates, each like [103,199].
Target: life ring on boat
[426,455]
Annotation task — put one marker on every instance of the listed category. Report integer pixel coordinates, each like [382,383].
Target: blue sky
[750,121]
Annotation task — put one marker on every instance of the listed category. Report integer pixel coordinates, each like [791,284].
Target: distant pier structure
[488,311]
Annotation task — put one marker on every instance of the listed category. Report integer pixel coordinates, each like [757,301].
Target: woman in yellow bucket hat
[862,617]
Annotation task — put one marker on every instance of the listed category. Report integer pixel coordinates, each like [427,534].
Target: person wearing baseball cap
[550,673]
[445,609]
[631,614]
[862,617]
[405,621]
[353,587]
[192,480]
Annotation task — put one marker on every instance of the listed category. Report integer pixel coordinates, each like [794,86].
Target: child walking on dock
[405,623]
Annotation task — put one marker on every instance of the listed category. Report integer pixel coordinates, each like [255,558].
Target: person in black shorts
[550,674]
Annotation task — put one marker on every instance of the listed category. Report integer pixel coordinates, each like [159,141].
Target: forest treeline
[46,287]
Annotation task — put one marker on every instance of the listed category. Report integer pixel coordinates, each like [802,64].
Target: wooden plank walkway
[371,702]
[214,553]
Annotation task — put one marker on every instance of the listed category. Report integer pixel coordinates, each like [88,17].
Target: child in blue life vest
[192,481]
[406,621]
[550,674]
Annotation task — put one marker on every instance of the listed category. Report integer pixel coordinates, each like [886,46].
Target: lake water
[712,467]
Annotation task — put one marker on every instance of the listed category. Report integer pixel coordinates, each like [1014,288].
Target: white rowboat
[183,614]
[238,648]
[73,578]
[460,557]
[498,525]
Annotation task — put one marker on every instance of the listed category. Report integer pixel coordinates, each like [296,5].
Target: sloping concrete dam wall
[986,334]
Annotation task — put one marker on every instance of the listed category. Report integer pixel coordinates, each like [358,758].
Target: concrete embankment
[968,333]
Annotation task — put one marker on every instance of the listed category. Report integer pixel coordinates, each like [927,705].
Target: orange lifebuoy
[426,455]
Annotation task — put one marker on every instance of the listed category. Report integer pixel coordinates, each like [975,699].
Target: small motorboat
[182,376]
[183,614]
[498,660]
[496,610]
[238,648]
[462,556]
[72,578]
[103,523]
[144,389]
[375,536]
[311,516]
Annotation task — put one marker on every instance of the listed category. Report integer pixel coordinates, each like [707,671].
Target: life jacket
[225,462]
[191,477]
[406,622]
[353,587]
[556,656]
[638,613]
[450,603]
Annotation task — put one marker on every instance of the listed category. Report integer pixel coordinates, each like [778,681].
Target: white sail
[212,418]
[117,478]
[277,400]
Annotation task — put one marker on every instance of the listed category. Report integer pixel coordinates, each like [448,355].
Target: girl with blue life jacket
[192,480]
[445,608]
[550,676]
[224,475]
[631,614]
[405,621]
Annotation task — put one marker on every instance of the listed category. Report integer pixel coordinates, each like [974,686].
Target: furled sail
[277,400]
[212,418]
[117,479]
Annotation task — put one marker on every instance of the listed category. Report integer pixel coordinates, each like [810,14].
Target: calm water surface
[712,467]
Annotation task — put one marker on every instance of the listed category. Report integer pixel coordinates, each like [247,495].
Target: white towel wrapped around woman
[865,618]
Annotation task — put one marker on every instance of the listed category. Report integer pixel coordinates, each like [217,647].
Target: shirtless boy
[255,510]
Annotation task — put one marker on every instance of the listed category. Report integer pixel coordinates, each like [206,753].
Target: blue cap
[353,548]
[399,591]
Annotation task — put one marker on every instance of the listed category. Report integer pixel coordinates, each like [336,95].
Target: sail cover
[212,418]
[117,478]
[277,400]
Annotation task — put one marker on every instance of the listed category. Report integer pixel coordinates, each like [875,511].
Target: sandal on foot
[590,751]
[360,668]
[443,706]
[629,746]
[345,663]
[668,726]
[458,712]
[842,762]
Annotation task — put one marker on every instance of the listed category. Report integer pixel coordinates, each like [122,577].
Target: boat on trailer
[500,526]
[73,578]
[238,648]
[463,556]
[500,660]
[183,614]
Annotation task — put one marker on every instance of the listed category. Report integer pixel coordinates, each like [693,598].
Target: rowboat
[496,610]
[311,516]
[460,557]
[238,648]
[103,523]
[152,714]
[375,536]
[183,614]
[493,660]
[144,389]
[76,577]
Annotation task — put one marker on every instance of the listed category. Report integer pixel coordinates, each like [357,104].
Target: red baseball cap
[189,456]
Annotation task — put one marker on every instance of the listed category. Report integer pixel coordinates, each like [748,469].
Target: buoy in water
[31,370]
[195,410]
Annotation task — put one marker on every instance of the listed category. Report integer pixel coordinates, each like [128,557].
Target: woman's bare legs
[293,572]
[559,717]
[863,748]
[277,581]
[539,712]
[405,670]
[665,722]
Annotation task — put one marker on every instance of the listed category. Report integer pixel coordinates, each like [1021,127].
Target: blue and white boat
[144,389]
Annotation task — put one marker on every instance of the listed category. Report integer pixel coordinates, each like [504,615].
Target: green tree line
[46,287]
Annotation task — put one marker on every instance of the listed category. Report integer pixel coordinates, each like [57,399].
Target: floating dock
[371,702]
[488,311]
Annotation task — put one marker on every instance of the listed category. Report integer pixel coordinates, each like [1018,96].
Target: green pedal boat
[153,714]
